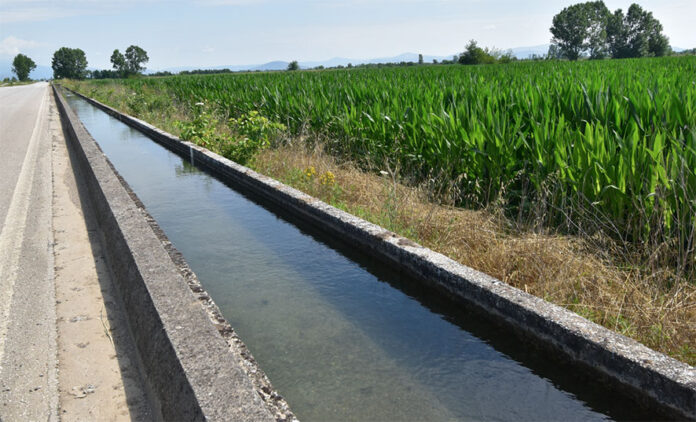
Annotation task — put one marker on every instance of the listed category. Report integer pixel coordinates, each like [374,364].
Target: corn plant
[618,135]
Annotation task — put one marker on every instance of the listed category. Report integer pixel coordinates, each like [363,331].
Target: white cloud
[11,46]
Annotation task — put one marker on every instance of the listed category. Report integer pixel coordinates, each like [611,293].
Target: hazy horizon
[207,33]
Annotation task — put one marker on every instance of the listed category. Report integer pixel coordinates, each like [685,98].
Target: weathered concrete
[188,365]
[651,377]
[98,374]
[274,401]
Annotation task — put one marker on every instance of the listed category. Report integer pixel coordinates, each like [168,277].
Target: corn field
[618,136]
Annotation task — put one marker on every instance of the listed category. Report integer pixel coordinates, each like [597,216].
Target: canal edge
[654,379]
[195,365]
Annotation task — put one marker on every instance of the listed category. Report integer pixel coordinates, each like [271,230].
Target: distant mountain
[276,65]
[342,61]
[336,61]
[527,52]
[521,53]
[41,72]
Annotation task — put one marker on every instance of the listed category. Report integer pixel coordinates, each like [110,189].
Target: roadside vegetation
[22,67]
[15,82]
[572,181]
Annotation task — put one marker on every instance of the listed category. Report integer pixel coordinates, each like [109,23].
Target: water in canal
[341,337]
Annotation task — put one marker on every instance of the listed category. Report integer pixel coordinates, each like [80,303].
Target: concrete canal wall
[195,367]
[654,379]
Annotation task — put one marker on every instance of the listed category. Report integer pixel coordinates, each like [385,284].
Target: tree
[22,66]
[554,52]
[69,63]
[293,65]
[118,61]
[636,34]
[590,28]
[690,52]
[581,27]
[507,57]
[105,74]
[135,58]
[569,29]
[131,63]
[475,55]
[598,16]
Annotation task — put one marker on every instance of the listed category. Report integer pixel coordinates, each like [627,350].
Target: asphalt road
[65,349]
[28,380]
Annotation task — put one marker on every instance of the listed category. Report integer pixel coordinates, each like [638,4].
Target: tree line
[71,63]
[473,54]
[590,29]
[129,64]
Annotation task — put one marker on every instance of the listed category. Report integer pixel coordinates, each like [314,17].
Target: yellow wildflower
[310,172]
[327,179]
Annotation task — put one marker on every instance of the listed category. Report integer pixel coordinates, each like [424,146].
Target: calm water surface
[341,337]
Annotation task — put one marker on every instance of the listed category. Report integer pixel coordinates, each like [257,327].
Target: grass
[631,274]
[589,275]
[16,83]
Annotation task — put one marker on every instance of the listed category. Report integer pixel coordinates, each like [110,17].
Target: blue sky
[234,32]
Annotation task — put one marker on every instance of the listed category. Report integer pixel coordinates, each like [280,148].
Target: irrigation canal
[339,335]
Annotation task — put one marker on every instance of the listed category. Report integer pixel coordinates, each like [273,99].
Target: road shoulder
[99,378]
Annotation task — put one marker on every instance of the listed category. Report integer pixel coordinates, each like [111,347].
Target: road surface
[65,350]
[28,377]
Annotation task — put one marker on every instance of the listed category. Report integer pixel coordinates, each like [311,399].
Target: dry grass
[587,275]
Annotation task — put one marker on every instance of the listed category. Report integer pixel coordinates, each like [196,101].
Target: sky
[239,32]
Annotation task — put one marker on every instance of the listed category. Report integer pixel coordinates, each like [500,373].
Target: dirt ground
[98,375]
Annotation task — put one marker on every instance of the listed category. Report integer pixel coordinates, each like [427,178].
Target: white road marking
[12,235]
